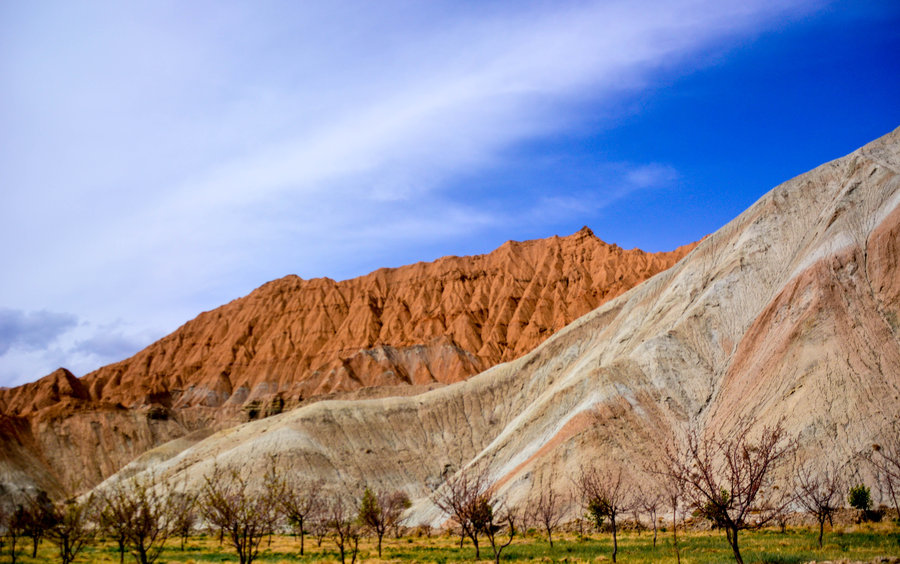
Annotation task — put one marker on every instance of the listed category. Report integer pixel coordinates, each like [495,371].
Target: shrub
[860,497]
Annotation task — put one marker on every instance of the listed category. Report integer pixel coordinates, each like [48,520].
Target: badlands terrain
[789,313]
[293,341]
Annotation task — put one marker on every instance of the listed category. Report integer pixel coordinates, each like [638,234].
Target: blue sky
[160,159]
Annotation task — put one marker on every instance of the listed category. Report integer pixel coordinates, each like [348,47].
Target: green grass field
[857,543]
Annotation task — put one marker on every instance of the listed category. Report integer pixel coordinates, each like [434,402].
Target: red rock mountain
[789,314]
[388,333]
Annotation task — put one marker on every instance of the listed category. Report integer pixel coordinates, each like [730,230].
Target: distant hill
[393,332]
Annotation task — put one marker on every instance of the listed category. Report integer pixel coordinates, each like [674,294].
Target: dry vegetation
[713,489]
[848,543]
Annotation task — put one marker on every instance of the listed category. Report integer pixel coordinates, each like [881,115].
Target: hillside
[392,332]
[788,313]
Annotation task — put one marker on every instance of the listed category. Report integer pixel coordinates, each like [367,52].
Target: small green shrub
[860,497]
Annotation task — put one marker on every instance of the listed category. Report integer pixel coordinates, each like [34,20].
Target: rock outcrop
[292,341]
[788,313]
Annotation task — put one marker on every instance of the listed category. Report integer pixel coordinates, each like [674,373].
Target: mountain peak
[584,232]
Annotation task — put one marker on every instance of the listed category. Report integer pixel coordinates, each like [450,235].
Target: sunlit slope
[788,312]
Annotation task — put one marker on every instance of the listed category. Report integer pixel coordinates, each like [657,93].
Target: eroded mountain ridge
[392,332]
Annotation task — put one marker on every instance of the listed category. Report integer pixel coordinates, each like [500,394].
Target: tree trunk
[732,534]
[12,548]
[893,493]
[355,549]
[612,522]
[380,535]
[65,552]
[821,530]
[675,534]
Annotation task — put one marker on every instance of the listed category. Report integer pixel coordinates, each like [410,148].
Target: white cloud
[652,175]
[164,158]
[33,329]
[33,344]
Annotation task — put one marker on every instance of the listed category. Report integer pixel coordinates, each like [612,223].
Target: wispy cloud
[109,343]
[32,344]
[32,329]
[163,158]
[652,175]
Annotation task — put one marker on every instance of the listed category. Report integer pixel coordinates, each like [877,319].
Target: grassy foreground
[861,543]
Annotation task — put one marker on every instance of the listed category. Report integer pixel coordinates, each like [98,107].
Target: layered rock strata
[789,313]
[393,332]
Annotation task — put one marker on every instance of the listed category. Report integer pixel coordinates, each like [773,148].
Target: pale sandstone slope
[790,311]
[387,333]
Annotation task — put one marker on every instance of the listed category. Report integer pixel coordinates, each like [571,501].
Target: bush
[860,497]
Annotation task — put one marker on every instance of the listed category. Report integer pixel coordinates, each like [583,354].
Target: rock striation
[393,332]
[788,313]
[426,323]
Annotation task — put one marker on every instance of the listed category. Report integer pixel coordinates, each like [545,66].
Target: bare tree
[318,525]
[781,519]
[547,512]
[885,458]
[731,481]
[183,505]
[650,502]
[71,529]
[300,503]
[394,505]
[40,509]
[819,493]
[112,526]
[636,509]
[462,498]
[30,517]
[498,517]
[138,509]
[244,513]
[379,512]
[574,499]
[606,495]
[673,494]
[670,497]
[341,519]
[16,524]
[4,516]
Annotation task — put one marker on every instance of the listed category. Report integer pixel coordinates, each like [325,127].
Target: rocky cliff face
[426,323]
[391,332]
[788,313]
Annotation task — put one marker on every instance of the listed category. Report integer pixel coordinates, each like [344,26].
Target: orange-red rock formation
[294,339]
[787,315]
